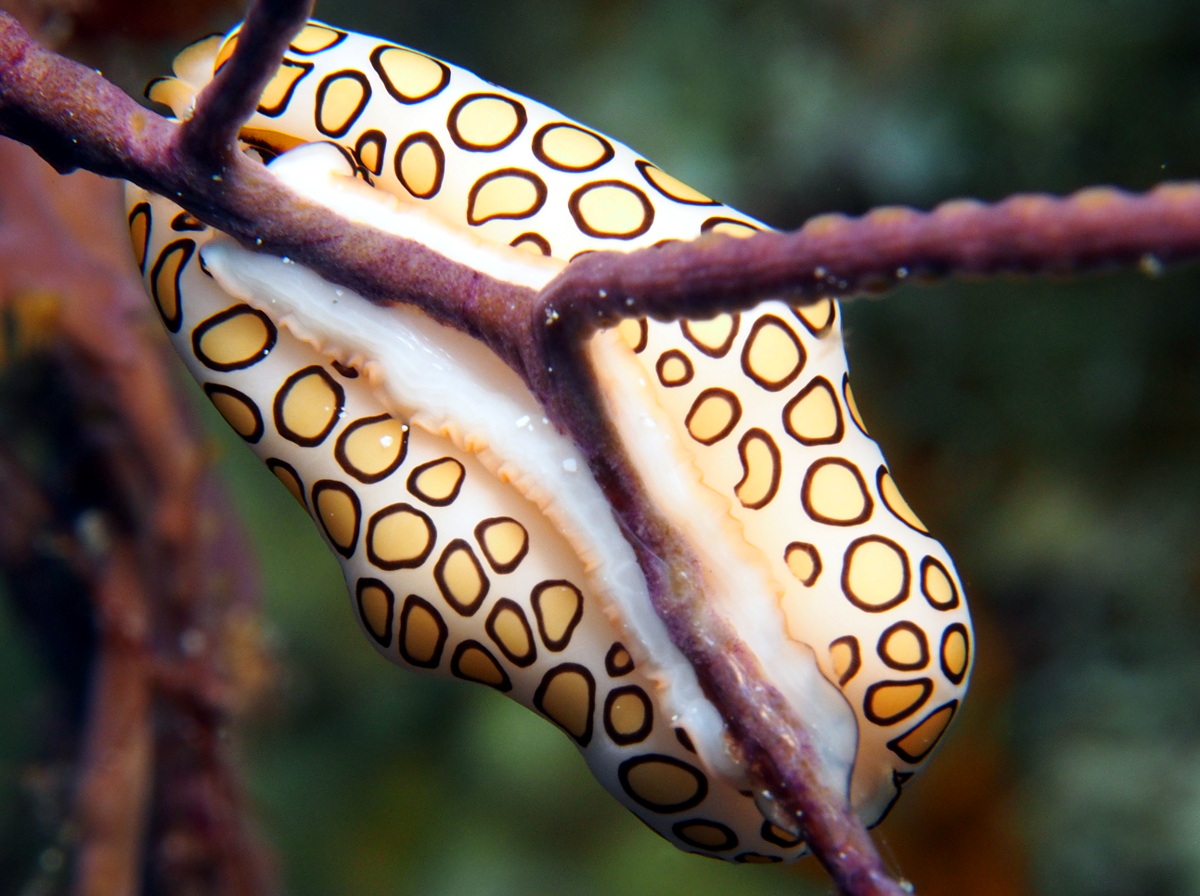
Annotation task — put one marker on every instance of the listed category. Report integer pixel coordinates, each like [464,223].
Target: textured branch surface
[1093,230]
[73,118]
[776,745]
[210,135]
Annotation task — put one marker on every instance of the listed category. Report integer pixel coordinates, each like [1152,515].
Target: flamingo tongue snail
[473,539]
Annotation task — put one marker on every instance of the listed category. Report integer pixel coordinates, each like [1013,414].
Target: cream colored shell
[473,540]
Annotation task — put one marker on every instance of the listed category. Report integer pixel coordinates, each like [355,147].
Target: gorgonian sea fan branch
[230,98]
[74,118]
[186,182]
[1095,229]
[775,744]
[759,716]
[695,280]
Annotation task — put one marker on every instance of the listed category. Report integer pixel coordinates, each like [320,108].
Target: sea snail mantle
[474,541]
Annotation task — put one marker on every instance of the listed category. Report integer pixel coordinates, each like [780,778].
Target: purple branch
[210,135]
[74,118]
[765,731]
[1096,229]
[70,115]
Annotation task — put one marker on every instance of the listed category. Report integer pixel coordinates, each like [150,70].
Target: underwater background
[1048,432]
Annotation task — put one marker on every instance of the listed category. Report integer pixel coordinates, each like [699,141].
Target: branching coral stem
[211,134]
[1096,229]
[74,118]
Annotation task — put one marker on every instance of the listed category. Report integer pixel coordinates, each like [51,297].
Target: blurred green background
[1048,432]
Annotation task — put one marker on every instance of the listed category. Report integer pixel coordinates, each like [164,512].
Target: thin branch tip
[73,120]
[210,136]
